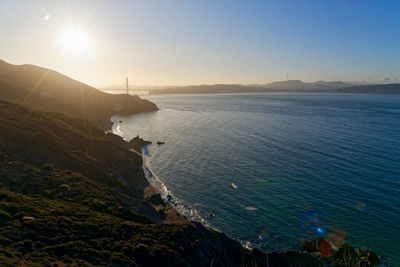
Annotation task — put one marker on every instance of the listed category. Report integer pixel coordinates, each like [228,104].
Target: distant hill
[299,85]
[393,88]
[294,86]
[281,86]
[209,89]
[46,89]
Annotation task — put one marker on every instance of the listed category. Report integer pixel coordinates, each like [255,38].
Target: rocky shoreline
[331,251]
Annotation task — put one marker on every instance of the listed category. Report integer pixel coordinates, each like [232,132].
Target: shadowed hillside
[46,89]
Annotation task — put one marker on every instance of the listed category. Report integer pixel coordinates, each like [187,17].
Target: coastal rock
[137,143]
[310,246]
[160,143]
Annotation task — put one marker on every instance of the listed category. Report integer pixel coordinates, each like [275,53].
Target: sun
[74,41]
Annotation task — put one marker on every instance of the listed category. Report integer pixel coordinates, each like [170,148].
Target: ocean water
[273,168]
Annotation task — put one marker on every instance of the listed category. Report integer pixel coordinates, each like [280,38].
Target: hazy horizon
[122,86]
[184,43]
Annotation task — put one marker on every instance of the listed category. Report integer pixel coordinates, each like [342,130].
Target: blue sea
[270,169]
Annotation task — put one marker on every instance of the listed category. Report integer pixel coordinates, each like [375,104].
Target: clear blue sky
[192,42]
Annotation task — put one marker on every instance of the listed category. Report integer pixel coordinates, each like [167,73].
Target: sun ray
[36,86]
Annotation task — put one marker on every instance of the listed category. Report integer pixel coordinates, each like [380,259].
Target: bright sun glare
[74,40]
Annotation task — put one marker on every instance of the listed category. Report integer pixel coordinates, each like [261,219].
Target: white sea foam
[116,127]
[184,209]
[251,208]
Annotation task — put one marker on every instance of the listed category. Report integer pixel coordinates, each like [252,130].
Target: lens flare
[312,225]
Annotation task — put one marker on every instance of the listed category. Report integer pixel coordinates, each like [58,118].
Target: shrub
[95,203]
[65,187]
[346,255]
[141,249]
[48,167]
[4,217]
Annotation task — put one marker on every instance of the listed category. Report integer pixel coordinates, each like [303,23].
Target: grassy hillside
[46,89]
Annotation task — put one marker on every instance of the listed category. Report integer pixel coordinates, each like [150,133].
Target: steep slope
[46,89]
[39,138]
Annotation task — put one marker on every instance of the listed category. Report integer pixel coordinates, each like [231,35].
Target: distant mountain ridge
[46,89]
[297,84]
[392,88]
[294,86]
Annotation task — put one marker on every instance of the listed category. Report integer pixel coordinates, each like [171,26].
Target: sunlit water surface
[287,154]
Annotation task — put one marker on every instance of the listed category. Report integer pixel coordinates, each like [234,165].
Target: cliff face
[45,89]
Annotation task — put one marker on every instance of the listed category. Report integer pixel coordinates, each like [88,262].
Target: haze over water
[288,154]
